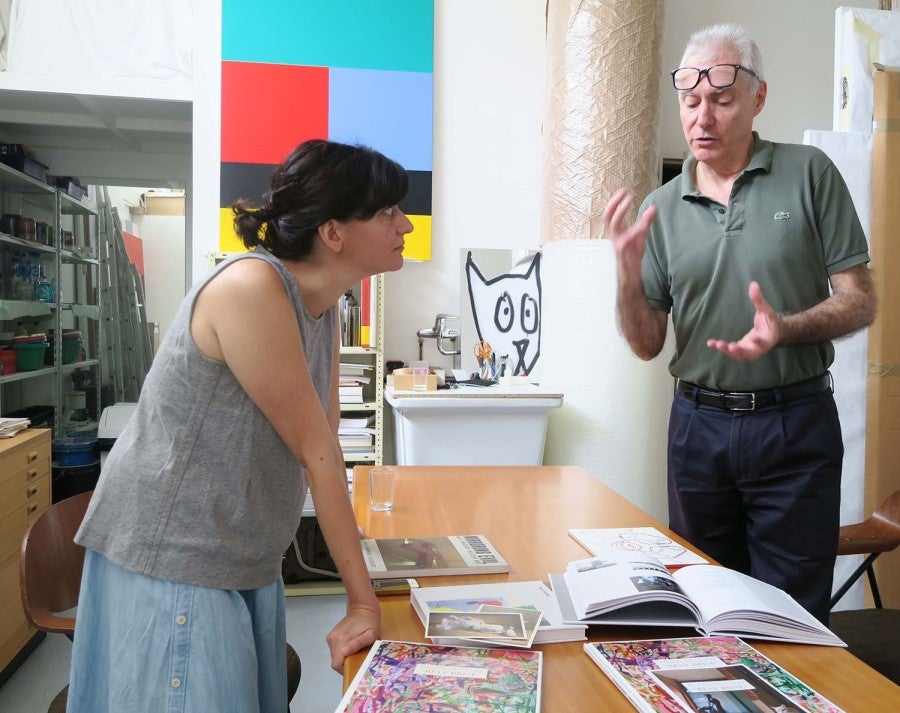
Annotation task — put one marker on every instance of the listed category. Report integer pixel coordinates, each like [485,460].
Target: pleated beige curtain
[599,134]
[599,130]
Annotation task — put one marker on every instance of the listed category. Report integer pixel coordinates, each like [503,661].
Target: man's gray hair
[733,37]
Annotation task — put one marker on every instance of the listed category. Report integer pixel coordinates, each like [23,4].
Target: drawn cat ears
[533,267]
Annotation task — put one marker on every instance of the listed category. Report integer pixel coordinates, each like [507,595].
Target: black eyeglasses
[720,76]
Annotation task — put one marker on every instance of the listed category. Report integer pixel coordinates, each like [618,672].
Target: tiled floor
[309,619]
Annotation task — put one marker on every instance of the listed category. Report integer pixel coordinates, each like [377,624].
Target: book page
[717,591]
[617,578]
[646,540]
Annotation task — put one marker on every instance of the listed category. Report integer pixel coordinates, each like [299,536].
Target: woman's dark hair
[319,181]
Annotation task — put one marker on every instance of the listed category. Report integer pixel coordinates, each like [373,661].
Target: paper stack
[9,427]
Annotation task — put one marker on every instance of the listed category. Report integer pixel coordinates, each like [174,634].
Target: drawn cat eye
[529,314]
[504,315]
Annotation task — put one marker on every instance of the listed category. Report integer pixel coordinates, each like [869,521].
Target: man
[755,448]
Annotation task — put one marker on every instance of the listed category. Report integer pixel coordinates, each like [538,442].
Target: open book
[624,588]
[388,558]
[709,674]
[467,598]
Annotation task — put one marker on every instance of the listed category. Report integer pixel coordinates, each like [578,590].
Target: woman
[182,603]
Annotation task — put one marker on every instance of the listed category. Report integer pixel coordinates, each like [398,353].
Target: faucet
[440,332]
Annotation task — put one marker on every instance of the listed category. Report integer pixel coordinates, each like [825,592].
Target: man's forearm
[851,307]
[643,327]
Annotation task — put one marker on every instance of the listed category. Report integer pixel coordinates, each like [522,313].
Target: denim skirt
[149,645]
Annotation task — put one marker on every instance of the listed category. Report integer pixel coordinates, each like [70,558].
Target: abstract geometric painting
[355,71]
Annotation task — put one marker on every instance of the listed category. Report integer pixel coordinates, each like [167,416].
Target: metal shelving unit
[70,262]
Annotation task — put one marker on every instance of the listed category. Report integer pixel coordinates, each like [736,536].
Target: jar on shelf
[25,228]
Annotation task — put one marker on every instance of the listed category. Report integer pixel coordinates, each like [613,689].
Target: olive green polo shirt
[789,225]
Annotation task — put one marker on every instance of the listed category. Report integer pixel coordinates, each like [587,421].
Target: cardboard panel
[883,398]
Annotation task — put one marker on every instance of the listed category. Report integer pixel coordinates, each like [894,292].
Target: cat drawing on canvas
[507,313]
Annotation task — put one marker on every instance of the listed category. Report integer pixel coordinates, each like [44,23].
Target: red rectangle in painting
[267,109]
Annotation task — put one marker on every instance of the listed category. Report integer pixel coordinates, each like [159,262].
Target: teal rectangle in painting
[361,34]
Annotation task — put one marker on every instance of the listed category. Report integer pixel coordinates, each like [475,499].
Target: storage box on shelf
[25,492]
[50,286]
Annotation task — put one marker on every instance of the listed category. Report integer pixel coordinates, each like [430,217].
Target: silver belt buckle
[751,407]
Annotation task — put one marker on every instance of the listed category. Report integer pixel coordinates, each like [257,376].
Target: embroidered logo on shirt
[782,215]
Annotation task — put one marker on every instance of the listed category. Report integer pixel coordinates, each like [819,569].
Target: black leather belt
[754,400]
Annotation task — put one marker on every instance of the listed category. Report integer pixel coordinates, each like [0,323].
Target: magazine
[400,676]
[708,674]
[647,540]
[468,598]
[432,556]
[623,588]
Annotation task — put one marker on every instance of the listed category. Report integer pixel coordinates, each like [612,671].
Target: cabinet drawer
[14,627]
[29,449]
[20,480]
[33,500]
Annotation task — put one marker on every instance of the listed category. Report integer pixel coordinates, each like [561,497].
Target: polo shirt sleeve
[653,266]
[843,240]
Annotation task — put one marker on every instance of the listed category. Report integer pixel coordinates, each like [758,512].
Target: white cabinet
[49,284]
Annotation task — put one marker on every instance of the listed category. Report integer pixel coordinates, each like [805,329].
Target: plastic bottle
[25,290]
[14,275]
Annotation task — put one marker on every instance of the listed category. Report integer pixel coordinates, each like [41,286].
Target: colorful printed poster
[399,676]
[708,674]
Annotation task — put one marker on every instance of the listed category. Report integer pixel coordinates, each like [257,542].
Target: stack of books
[356,434]
[350,382]
[432,604]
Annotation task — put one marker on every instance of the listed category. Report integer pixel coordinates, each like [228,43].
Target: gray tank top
[199,488]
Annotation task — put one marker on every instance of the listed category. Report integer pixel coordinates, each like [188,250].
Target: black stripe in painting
[418,200]
[251,180]
[244,180]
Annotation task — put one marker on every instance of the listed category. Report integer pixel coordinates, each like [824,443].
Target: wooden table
[526,511]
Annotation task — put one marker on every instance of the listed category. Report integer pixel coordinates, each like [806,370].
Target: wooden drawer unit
[32,500]
[25,485]
[14,627]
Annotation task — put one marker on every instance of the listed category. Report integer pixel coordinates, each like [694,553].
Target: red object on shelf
[8,359]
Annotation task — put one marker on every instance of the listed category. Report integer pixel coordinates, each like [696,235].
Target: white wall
[488,107]
[163,237]
[163,241]
[488,110]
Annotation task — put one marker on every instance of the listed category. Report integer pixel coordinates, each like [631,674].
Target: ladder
[126,334]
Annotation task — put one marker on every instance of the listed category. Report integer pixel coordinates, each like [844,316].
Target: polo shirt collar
[760,160]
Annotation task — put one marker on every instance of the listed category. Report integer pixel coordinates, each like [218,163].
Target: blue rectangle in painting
[371,34]
[389,111]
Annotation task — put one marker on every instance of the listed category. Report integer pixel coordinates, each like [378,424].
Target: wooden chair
[872,635]
[50,566]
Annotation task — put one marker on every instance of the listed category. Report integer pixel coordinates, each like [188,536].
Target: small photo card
[476,625]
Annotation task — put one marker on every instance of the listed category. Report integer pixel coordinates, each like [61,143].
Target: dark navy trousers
[759,491]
